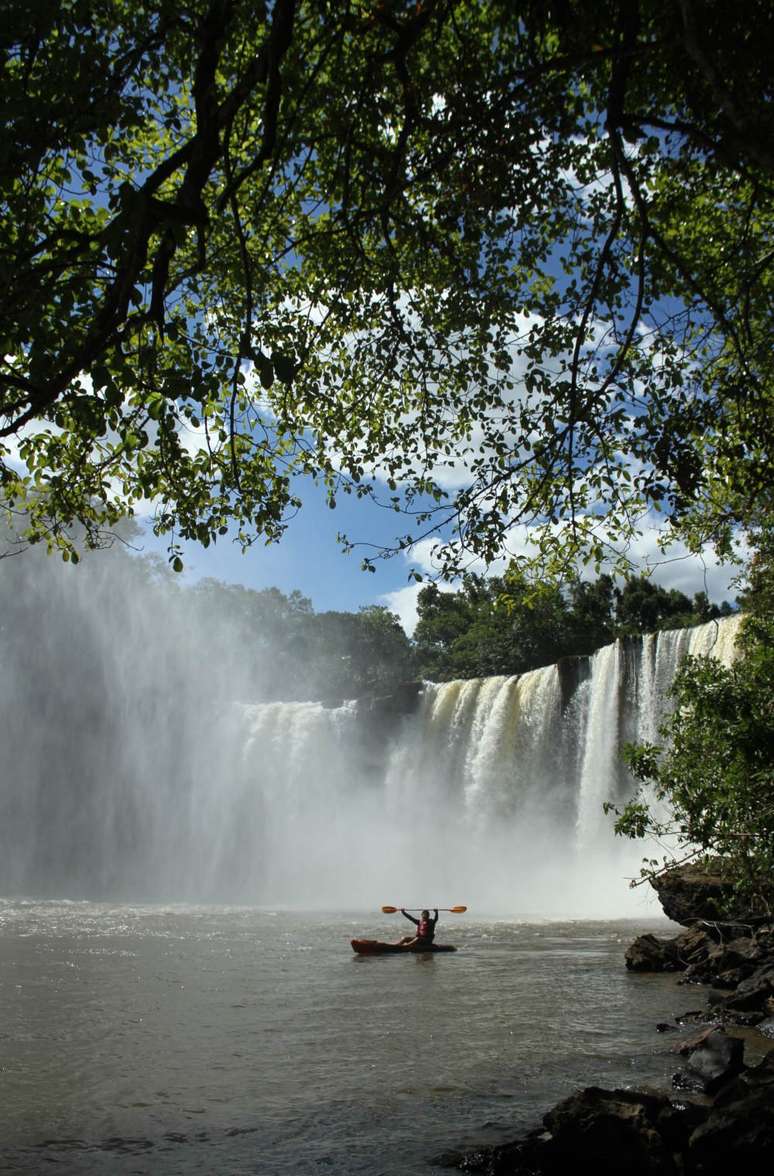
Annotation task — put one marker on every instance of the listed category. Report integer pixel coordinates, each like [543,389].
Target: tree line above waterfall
[262,645]
[502,625]
[507,624]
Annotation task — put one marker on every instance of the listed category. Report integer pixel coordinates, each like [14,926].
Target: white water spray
[129,770]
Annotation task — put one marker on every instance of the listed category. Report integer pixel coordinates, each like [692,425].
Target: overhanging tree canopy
[513,257]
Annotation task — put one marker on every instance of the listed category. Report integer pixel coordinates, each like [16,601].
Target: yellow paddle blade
[458,910]
[388,910]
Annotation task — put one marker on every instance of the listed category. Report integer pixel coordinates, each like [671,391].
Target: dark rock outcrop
[403,700]
[649,953]
[700,893]
[713,1059]
[694,893]
[606,1132]
[379,718]
[642,1133]
[604,1125]
[753,993]
[739,1130]
[756,1078]
[724,965]
[739,1135]
[725,947]
[572,671]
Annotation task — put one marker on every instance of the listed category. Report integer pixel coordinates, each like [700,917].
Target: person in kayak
[425,932]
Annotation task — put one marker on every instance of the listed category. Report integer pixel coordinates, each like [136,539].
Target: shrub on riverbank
[713,775]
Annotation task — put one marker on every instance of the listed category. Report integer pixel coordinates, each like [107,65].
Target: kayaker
[425,926]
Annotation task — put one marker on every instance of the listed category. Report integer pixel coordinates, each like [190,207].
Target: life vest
[425,930]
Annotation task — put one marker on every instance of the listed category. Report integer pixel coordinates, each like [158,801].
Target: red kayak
[375,947]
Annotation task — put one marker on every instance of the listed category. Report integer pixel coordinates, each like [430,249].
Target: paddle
[455,910]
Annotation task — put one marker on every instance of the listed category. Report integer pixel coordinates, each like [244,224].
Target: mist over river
[187,1039]
[144,760]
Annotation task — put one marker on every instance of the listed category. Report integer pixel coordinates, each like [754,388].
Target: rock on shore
[647,1133]
[695,892]
[642,1133]
[722,946]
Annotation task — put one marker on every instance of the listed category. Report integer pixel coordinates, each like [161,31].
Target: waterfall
[510,775]
[129,768]
[600,742]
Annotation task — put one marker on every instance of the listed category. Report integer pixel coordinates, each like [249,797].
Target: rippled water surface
[178,1040]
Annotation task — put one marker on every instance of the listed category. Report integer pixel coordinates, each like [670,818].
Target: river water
[183,1039]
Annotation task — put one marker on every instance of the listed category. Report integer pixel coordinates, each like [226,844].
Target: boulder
[609,1131]
[738,1132]
[677,1122]
[724,964]
[648,953]
[695,892]
[713,1059]
[606,1132]
[752,994]
[760,1077]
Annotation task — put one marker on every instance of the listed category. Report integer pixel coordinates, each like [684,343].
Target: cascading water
[600,741]
[502,780]
[130,770]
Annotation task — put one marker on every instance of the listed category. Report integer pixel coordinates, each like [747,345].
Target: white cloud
[681,569]
[403,602]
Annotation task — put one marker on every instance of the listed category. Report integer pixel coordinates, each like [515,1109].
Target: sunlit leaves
[408,245]
[715,773]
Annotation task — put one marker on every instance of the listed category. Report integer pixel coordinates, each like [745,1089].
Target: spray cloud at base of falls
[132,767]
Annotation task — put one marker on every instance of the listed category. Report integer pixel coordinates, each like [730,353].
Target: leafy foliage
[294,653]
[512,257]
[709,787]
[645,607]
[509,625]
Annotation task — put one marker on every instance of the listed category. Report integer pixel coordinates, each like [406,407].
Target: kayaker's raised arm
[409,917]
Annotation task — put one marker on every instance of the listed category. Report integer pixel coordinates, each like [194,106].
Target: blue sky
[310,559]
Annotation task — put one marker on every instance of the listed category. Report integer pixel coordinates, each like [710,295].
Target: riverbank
[720,1111]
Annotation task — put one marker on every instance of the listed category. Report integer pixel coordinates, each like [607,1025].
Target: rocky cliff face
[696,893]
